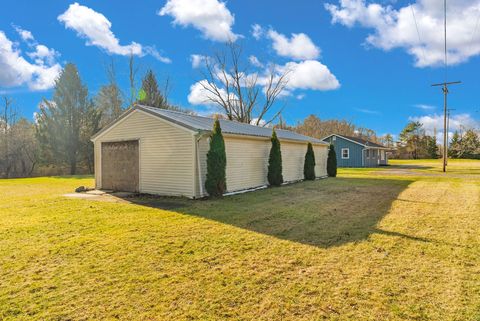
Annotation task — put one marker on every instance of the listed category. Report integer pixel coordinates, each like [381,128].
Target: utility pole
[445,85]
[448,128]
[445,127]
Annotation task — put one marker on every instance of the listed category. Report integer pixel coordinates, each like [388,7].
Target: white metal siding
[293,160]
[247,161]
[166,154]
[321,155]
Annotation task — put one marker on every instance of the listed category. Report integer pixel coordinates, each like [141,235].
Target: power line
[445,36]
[445,85]
[418,34]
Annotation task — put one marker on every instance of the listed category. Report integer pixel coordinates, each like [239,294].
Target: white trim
[366,146]
[345,139]
[199,165]
[140,148]
[348,153]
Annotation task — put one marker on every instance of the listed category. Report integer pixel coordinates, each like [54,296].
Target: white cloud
[298,47]
[43,54]
[300,96]
[211,17]
[200,96]
[254,61]
[261,123]
[152,51]
[395,28]
[257,31]
[367,111]
[434,123]
[96,29]
[309,74]
[17,71]
[24,34]
[198,60]
[424,107]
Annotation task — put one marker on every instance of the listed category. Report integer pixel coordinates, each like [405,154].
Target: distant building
[357,152]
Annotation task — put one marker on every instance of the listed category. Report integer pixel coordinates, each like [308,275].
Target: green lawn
[395,243]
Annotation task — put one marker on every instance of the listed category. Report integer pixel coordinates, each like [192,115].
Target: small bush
[275,177]
[309,165]
[332,162]
[216,183]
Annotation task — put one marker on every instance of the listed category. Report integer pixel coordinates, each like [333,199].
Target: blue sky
[383,67]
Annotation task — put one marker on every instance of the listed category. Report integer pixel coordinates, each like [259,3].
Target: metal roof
[359,140]
[201,123]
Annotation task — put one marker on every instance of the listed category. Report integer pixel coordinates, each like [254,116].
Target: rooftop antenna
[445,85]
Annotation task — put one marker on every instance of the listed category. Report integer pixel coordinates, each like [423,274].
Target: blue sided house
[357,152]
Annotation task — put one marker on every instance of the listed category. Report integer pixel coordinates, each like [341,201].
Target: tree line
[414,143]
[465,144]
[58,139]
[315,127]
[60,133]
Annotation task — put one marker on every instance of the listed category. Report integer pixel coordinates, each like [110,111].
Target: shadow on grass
[322,213]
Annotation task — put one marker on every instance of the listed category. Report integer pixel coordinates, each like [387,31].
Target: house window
[367,152]
[382,155]
[345,153]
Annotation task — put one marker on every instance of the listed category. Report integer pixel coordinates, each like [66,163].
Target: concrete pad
[96,192]
[80,195]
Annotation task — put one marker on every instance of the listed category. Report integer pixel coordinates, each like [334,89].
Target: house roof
[358,140]
[201,123]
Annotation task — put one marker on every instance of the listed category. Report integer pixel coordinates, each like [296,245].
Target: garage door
[120,168]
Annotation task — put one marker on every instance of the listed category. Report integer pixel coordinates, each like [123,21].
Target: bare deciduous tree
[8,117]
[132,75]
[18,145]
[109,99]
[242,94]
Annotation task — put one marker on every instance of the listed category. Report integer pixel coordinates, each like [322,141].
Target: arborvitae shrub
[309,165]
[216,183]
[332,162]
[275,177]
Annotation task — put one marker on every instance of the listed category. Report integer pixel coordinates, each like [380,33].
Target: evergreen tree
[432,147]
[91,125]
[216,182]
[332,162]
[275,177]
[454,147]
[387,140]
[64,123]
[309,165]
[410,139]
[469,145]
[150,94]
